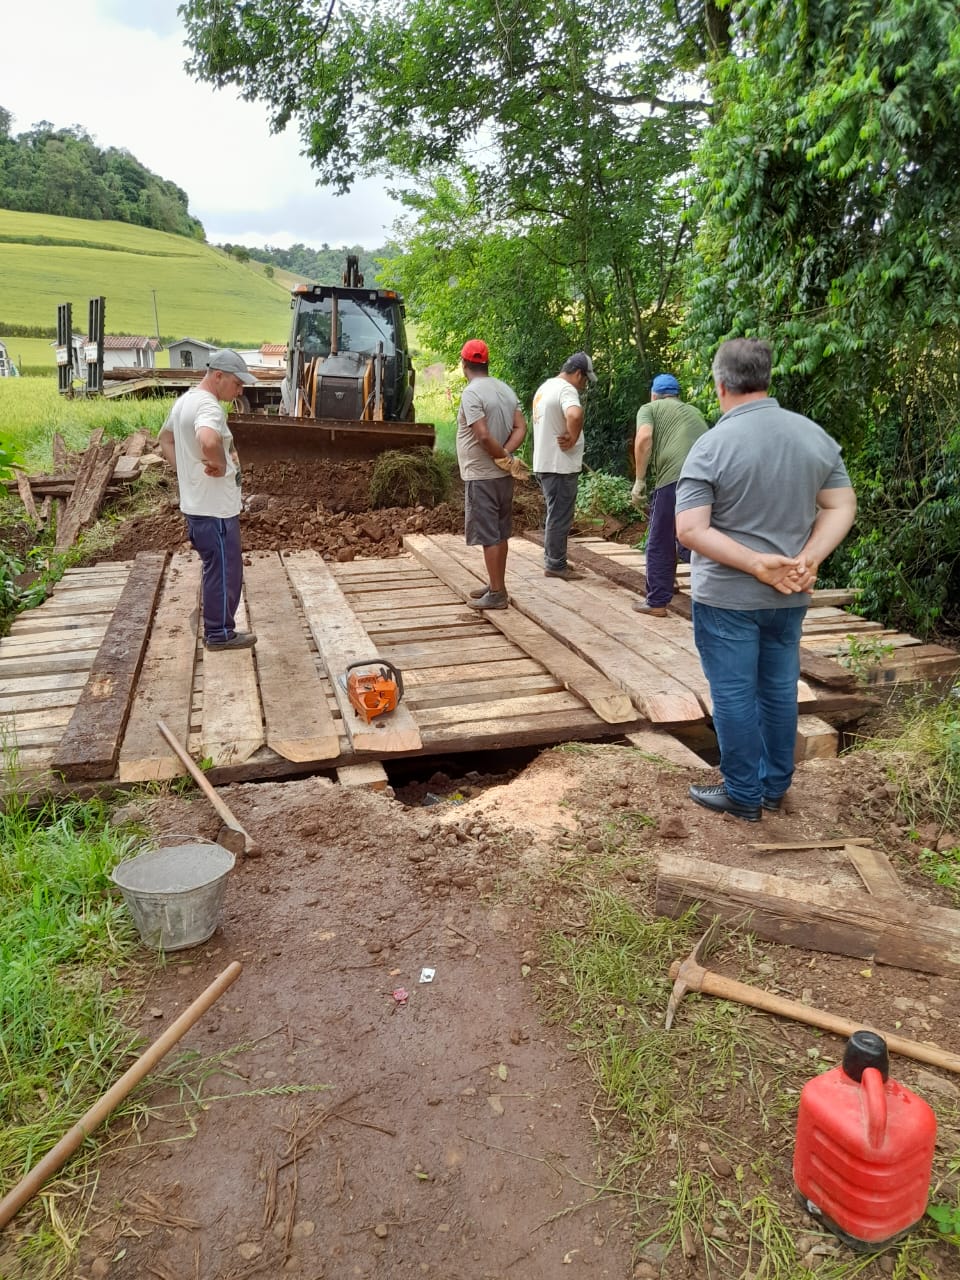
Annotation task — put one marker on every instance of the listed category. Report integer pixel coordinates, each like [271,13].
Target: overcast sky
[115,67]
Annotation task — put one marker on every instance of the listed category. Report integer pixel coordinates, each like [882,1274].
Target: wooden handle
[27,1187]
[715,984]
[227,817]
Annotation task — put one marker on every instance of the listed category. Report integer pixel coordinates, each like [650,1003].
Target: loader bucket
[261,438]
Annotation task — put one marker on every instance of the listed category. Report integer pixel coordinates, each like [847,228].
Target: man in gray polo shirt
[490,426]
[762,499]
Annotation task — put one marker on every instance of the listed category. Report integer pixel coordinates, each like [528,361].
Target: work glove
[637,494]
[513,466]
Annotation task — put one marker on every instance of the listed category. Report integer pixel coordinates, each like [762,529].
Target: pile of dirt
[322,506]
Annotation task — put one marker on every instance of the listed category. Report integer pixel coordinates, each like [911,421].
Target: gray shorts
[488,511]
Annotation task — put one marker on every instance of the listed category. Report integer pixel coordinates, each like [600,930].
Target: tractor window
[362,327]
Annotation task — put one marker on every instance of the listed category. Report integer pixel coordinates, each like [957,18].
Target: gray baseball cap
[228,361]
[580,362]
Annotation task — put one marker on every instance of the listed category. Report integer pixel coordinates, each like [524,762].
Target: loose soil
[346,1118]
[446,1129]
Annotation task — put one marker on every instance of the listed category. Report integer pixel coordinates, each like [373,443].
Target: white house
[190,353]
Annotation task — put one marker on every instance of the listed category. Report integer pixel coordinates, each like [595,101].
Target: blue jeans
[751,658]
[218,544]
[663,549]
[560,497]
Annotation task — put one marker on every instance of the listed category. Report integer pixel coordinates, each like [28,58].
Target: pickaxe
[690,975]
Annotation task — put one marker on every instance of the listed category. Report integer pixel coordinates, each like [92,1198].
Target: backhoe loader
[348,388]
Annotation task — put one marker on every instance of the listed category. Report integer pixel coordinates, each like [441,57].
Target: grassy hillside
[200,292]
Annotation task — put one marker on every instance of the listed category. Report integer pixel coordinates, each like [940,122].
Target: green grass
[31,411]
[64,935]
[438,403]
[669,1105]
[200,292]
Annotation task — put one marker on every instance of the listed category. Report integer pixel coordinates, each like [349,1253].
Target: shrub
[601,495]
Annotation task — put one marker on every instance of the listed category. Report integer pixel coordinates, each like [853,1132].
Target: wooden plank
[799,845]
[40,642]
[609,643]
[36,682]
[833,595]
[93,475]
[573,672]
[59,452]
[819,917]
[90,748]
[920,662]
[231,727]
[414,657]
[875,870]
[36,718]
[457,694]
[26,497]
[368,776]
[38,701]
[516,731]
[49,664]
[816,739]
[663,746]
[342,640]
[299,725]
[166,679]
[811,665]
[463,632]
[437,595]
[465,672]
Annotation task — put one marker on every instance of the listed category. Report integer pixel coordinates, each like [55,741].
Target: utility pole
[156,318]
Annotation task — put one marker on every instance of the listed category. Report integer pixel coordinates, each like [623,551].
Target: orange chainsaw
[374,688]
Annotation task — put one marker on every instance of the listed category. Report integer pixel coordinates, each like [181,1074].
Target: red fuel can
[864,1150]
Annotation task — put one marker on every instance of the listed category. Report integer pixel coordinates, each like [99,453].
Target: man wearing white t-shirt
[196,440]
[558,456]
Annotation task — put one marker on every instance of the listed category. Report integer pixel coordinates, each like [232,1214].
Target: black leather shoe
[716,798]
[772,804]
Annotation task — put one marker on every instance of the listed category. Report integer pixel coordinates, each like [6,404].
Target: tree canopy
[63,171]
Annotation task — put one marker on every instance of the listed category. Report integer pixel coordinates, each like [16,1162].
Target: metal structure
[65,348]
[94,347]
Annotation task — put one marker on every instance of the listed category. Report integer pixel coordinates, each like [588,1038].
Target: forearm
[168,448]
[641,457]
[829,529]
[722,549]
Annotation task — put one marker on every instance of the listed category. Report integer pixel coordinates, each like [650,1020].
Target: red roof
[128,343]
[273,349]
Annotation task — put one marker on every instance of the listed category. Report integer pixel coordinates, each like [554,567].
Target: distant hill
[314,266]
[64,172]
[200,291]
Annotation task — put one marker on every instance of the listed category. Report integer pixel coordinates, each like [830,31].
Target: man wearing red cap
[490,426]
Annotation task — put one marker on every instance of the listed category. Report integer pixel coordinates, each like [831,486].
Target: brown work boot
[651,610]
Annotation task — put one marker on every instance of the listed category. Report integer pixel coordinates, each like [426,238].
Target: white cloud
[116,69]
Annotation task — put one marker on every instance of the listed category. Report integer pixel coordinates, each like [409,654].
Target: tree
[828,219]
[560,128]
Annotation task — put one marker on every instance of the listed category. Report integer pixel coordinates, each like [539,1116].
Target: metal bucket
[175,895]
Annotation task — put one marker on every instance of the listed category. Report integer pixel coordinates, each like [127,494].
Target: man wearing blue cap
[666,428]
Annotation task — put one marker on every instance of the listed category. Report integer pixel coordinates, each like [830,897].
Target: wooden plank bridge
[85,676]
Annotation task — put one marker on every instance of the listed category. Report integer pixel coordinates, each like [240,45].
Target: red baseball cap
[475,352]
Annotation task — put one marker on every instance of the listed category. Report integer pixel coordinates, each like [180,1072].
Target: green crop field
[200,292]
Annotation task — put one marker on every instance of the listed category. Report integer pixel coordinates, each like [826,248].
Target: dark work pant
[663,549]
[217,542]
[560,497]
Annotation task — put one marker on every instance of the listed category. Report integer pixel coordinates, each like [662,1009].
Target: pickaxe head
[688,973]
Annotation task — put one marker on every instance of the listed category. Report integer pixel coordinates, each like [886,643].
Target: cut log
[26,496]
[821,918]
[816,739]
[90,747]
[93,475]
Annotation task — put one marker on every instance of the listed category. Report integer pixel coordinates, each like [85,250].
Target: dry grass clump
[418,478]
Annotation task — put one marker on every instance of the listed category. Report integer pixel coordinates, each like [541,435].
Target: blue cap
[665,384]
